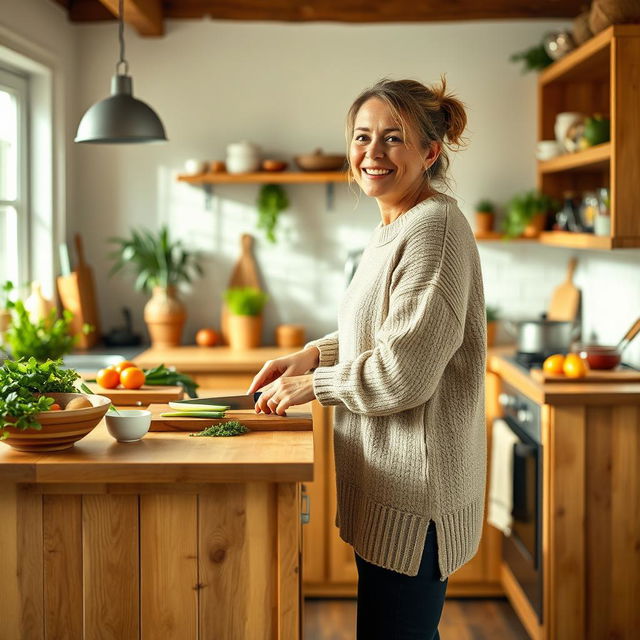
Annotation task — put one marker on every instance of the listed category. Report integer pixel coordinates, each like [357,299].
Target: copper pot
[607,356]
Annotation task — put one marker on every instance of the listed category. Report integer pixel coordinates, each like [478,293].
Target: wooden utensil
[293,421]
[244,274]
[565,300]
[77,294]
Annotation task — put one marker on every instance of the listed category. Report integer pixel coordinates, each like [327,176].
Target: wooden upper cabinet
[602,76]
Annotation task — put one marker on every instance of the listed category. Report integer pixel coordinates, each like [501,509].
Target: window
[14,218]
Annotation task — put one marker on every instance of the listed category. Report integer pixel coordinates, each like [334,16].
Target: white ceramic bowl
[128,425]
[547,149]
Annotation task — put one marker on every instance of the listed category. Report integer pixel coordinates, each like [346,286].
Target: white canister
[563,121]
[242,157]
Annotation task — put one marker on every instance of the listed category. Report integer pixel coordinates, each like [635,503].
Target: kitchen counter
[172,537]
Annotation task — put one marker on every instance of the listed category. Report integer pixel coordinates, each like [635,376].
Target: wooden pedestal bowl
[60,429]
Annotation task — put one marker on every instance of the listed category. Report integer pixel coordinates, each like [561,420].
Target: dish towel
[501,478]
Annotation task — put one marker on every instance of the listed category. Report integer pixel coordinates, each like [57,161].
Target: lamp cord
[121,39]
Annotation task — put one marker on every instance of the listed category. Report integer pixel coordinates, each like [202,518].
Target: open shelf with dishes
[600,77]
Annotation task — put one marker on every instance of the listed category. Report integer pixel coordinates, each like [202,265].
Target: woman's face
[387,166]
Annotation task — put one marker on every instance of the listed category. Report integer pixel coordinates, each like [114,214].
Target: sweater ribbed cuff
[324,385]
[328,348]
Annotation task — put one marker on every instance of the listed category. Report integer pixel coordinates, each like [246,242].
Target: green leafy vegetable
[85,389]
[161,375]
[272,200]
[231,428]
[20,380]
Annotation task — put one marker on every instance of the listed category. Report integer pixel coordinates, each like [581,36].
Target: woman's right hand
[296,364]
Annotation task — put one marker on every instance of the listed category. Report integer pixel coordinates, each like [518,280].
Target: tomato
[553,364]
[132,378]
[206,337]
[108,378]
[55,407]
[121,366]
[574,366]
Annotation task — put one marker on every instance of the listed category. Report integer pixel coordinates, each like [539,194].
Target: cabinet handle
[305,515]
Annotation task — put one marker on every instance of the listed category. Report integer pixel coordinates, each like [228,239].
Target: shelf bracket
[330,199]
[208,195]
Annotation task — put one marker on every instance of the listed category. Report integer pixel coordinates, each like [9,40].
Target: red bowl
[600,356]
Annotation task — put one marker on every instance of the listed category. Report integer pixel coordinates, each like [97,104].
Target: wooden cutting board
[565,300]
[244,274]
[144,396]
[293,421]
[77,294]
[593,375]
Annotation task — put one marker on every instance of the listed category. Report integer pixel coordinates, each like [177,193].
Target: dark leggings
[394,606]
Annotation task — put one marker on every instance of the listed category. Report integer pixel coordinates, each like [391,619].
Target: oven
[522,550]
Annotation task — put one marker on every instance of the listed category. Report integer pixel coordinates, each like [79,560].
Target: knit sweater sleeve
[403,369]
[328,347]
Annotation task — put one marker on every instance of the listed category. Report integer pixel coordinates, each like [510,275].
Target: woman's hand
[292,365]
[285,392]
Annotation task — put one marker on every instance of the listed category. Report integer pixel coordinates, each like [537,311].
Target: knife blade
[234,402]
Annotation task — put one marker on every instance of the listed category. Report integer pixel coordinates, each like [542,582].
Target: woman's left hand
[285,392]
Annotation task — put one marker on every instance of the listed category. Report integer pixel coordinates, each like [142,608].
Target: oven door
[522,550]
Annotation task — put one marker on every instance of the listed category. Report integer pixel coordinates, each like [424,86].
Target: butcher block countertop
[195,359]
[560,393]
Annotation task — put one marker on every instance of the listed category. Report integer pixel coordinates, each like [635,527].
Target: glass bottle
[602,225]
[567,218]
[589,210]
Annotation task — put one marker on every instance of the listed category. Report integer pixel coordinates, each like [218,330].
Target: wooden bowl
[60,429]
[318,161]
[274,165]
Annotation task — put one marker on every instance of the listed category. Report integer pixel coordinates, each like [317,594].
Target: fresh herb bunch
[161,375]
[20,380]
[272,200]
[230,428]
[157,260]
[245,301]
[47,339]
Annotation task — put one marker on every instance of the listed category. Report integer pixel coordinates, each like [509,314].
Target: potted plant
[245,306]
[272,200]
[492,324]
[527,214]
[161,266]
[485,215]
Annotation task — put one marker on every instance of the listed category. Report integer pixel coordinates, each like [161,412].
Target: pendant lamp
[120,117]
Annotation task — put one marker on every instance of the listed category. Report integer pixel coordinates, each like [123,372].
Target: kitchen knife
[234,402]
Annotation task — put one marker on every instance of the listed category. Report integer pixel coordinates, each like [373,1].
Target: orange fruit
[132,378]
[206,337]
[121,366]
[574,366]
[108,378]
[55,407]
[553,364]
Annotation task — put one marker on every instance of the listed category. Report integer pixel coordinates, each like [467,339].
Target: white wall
[287,87]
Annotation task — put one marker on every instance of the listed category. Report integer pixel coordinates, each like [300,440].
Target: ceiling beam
[146,16]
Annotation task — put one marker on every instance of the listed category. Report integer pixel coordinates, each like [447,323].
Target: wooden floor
[462,619]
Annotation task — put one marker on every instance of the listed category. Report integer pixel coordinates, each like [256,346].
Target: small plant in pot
[493,315]
[527,214]
[161,265]
[485,216]
[245,306]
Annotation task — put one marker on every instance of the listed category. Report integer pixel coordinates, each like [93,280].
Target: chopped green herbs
[230,428]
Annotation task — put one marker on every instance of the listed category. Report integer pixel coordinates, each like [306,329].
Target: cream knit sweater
[405,371]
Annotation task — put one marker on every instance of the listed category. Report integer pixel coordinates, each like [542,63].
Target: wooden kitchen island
[171,537]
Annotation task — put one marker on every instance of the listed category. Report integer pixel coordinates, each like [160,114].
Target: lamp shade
[120,118]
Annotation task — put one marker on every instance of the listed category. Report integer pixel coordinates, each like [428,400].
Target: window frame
[17,84]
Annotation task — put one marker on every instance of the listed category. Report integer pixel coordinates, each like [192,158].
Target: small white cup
[547,149]
[195,167]
[128,425]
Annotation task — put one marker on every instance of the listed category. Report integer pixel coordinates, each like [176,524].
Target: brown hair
[433,114]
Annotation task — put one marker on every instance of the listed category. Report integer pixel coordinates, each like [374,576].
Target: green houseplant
[245,306]
[485,215]
[272,200]
[526,214]
[160,265]
[533,59]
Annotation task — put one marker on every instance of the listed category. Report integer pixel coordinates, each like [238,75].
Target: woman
[405,370]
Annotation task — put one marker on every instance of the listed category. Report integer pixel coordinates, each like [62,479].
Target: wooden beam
[145,15]
[359,11]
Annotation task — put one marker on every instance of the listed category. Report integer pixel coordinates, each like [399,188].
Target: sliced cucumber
[179,406]
[193,414]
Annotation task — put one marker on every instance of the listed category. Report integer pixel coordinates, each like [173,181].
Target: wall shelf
[596,158]
[266,177]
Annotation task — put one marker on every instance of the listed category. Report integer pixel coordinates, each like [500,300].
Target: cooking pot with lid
[542,336]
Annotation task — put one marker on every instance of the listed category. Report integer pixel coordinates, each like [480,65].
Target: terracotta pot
[5,320]
[245,332]
[165,316]
[492,328]
[484,222]
[290,335]
[536,226]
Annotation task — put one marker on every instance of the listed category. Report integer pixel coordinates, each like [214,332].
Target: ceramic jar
[165,316]
[563,122]
[242,157]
